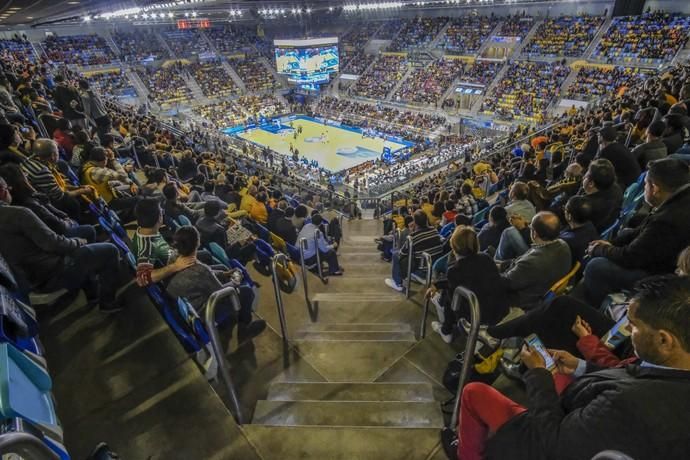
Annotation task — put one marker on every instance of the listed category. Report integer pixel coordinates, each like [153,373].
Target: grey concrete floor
[125,379]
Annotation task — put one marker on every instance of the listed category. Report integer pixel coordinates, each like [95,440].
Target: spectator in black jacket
[64,94]
[475,271]
[675,133]
[580,230]
[284,227]
[627,169]
[653,148]
[642,409]
[277,213]
[44,260]
[652,247]
[212,228]
[490,234]
[600,187]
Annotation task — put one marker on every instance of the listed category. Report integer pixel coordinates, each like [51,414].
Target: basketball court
[334,148]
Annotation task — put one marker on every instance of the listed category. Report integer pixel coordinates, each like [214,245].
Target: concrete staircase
[569,80]
[488,40]
[600,33]
[528,38]
[499,76]
[440,34]
[282,81]
[111,43]
[139,85]
[197,92]
[410,70]
[235,78]
[373,397]
[165,46]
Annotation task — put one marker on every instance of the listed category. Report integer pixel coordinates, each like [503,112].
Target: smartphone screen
[535,342]
[618,333]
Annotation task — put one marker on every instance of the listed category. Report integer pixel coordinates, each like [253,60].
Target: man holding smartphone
[641,409]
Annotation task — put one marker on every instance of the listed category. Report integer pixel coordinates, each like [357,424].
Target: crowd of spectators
[116,83]
[593,82]
[138,45]
[221,114]
[407,124]
[516,26]
[526,90]
[229,38]
[417,32]
[355,62]
[389,29]
[358,36]
[247,108]
[427,84]
[18,48]
[653,37]
[562,209]
[254,74]
[466,34]
[213,79]
[265,105]
[480,72]
[380,79]
[186,42]
[85,50]
[564,36]
[165,84]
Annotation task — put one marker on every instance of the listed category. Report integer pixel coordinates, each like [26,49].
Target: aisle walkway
[355,384]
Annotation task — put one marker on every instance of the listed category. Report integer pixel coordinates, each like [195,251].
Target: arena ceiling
[45,12]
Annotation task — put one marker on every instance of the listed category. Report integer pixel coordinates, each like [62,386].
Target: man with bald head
[544,263]
[42,172]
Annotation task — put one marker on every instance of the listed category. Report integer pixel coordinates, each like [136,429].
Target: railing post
[210,320]
[26,445]
[302,247]
[396,234]
[282,258]
[410,257]
[469,346]
[319,269]
[429,263]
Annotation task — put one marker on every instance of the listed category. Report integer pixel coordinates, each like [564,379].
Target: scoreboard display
[307,61]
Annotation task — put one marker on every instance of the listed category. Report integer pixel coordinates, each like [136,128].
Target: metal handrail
[210,320]
[429,264]
[410,256]
[317,235]
[283,259]
[303,264]
[469,346]
[25,445]
[396,234]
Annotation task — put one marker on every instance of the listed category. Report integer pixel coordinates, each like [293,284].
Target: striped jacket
[424,240]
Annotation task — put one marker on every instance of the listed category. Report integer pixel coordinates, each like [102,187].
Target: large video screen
[307,61]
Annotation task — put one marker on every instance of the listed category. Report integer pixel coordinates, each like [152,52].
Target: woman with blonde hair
[475,271]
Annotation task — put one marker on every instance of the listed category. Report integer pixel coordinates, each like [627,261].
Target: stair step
[349,297]
[348,391]
[348,413]
[353,336]
[356,239]
[353,361]
[372,268]
[357,327]
[337,443]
